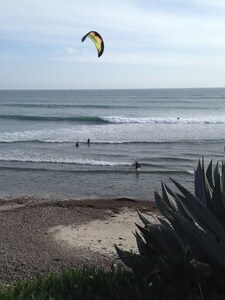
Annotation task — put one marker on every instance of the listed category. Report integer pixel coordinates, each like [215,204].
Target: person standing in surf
[137,166]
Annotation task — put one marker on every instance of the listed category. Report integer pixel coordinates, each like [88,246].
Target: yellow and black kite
[97,39]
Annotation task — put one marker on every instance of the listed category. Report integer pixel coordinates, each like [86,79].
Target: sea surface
[166,130]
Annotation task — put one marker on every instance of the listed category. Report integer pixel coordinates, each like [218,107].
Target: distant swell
[115,119]
[69,106]
[131,142]
[91,119]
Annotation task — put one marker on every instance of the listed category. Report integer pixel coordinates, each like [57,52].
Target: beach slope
[42,236]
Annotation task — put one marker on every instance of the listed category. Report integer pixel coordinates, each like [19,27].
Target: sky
[148,44]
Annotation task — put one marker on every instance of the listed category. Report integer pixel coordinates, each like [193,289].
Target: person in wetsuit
[137,165]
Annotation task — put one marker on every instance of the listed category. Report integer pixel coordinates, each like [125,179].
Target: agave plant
[189,239]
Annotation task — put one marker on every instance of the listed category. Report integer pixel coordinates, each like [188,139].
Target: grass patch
[97,284]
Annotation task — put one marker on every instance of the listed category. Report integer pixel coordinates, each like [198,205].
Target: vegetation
[188,244]
[97,284]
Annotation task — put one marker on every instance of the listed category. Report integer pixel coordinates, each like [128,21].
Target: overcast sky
[148,44]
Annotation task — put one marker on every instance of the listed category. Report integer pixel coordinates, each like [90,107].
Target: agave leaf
[131,260]
[169,198]
[207,185]
[203,190]
[164,222]
[189,246]
[185,214]
[201,214]
[140,244]
[209,175]
[199,190]
[162,206]
[218,201]
[213,251]
[216,171]
[144,248]
[151,240]
[173,199]
[143,219]
[161,239]
[223,182]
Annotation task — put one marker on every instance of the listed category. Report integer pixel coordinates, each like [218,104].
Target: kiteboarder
[137,166]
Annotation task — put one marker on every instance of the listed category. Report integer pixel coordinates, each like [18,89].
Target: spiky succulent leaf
[144,248]
[143,219]
[162,239]
[164,222]
[151,240]
[170,198]
[140,244]
[173,201]
[216,171]
[199,190]
[209,175]
[203,190]
[201,214]
[218,205]
[212,250]
[131,260]
[162,206]
[223,180]
[176,198]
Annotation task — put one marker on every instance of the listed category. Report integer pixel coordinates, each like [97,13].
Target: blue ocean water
[166,130]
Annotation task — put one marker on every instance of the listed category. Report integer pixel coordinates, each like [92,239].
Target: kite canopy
[97,40]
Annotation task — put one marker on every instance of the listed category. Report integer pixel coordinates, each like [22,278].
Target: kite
[97,40]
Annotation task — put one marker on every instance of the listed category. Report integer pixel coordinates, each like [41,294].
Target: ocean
[166,130]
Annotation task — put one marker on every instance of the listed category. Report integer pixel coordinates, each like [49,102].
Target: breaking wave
[116,119]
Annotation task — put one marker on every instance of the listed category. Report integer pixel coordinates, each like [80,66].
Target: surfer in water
[137,166]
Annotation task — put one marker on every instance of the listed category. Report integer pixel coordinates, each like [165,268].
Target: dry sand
[102,235]
[41,236]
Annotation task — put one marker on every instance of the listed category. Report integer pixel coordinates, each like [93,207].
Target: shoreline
[52,199]
[43,236]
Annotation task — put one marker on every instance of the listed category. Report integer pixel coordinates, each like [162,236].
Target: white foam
[172,120]
[22,158]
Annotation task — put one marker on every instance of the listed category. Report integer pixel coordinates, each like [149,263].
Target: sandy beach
[42,236]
